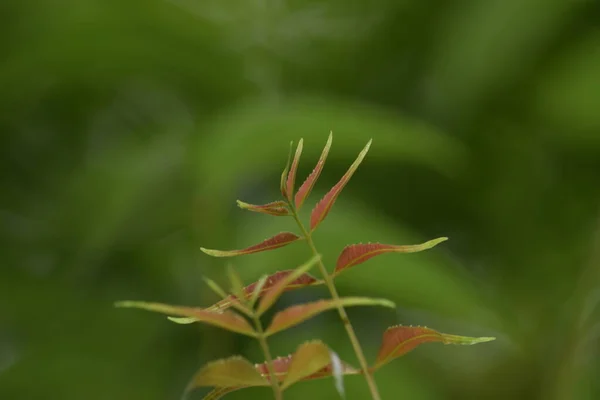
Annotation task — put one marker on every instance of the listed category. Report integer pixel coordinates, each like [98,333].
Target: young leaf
[284,174]
[323,207]
[219,392]
[257,289]
[299,313]
[226,320]
[275,242]
[237,286]
[310,358]
[309,183]
[291,179]
[278,288]
[399,340]
[358,253]
[230,372]
[282,367]
[254,288]
[276,208]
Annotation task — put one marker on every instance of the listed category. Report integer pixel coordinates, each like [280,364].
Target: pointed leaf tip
[275,242]
[284,174]
[399,340]
[275,208]
[291,178]
[309,182]
[226,320]
[359,253]
[323,207]
[229,372]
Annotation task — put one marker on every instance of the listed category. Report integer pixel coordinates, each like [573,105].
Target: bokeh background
[129,129]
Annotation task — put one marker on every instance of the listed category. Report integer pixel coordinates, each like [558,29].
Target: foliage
[311,359]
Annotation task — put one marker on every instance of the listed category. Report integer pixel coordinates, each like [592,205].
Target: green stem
[342,312]
[268,358]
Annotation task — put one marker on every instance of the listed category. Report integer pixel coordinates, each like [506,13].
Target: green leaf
[283,284]
[275,242]
[226,320]
[358,253]
[399,340]
[284,174]
[297,314]
[291,179]
[310,358]
[233,371]
[324,205]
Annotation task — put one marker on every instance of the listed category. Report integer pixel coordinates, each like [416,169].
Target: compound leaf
[226,320]
[299,313]
[399,340]
[275,242]
[323,207]
[358,253]
[309,183]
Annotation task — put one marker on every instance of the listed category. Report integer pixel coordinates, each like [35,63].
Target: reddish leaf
[358,253]
[310,358]
[284,174]
[276,208]
[279,240]
[226,320]
[309,183]
[277,289]
[272,280]
[299,313]
[282,366]
[399,340]
[291,178]
[324,205]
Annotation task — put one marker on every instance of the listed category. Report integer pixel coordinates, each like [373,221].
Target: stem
[270,366]
[342,312]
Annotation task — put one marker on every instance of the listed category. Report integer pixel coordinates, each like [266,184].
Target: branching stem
[268,358]
[342,312]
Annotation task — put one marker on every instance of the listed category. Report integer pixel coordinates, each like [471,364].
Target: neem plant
[312,359]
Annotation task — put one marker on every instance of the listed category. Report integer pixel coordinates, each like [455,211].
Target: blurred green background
[129,129]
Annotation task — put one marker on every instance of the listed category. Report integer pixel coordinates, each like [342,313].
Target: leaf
[299,313]
[226,320]
[323,207]
[301,366]
[310,358]
[229,372]
[358,253]
[291,178]
[399,340]
[257,289]
[220,392]
[276,208]
[276,289]
[271,280]
[309,183]
[275,242]
[284,174]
